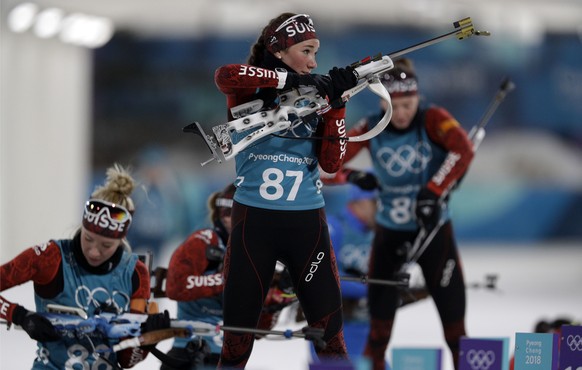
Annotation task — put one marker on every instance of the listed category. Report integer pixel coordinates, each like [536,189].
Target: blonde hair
[118,187]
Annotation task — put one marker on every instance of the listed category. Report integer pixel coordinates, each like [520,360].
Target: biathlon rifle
[476,135]
[300,105]
[110,325]
[127,328]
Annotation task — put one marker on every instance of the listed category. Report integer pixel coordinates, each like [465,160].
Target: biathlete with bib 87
[278,212]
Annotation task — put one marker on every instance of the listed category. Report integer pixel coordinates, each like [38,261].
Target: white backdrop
[44,139]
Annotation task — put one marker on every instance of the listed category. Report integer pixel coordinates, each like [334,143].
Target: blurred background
[85,84]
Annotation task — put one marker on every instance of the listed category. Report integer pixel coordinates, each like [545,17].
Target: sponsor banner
[571,348]
[416,358]
[484,354]
[536,351]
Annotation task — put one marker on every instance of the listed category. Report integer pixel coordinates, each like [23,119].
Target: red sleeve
[6,309]
[186,280]
[240,81]
[445,131]
[243,76]
[331,153]
[39,264]
[143,289]
[339,177]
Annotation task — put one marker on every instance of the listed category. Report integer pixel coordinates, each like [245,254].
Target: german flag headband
[294,30]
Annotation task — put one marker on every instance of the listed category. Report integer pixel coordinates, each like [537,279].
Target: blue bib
[279,172]
[404,162]
[86,291]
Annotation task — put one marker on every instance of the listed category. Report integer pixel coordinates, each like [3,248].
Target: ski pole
[477,132]
[403,282]
[308,333]
[476,135]
[303,333]
[408,296]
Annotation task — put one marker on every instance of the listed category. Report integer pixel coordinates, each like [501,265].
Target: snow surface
[535,282]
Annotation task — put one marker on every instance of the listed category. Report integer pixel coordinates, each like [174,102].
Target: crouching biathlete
[93,271]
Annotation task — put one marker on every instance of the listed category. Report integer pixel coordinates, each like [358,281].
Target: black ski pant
[443,273]
[300,240]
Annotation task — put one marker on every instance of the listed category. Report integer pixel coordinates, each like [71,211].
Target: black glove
[156,321]
[363,180]
[36,326]
[342,79]
[428,208]
[322,83]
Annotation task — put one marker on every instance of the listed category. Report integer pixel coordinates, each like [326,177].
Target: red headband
[294,30]
[106,218]
[399,83]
